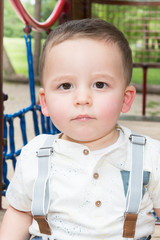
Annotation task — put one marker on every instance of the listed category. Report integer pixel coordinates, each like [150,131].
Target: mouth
[82,118]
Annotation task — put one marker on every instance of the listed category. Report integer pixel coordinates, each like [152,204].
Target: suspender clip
[137,139]
[44,152]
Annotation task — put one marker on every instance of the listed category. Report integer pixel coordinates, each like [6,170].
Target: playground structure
[140,25]
[62,7]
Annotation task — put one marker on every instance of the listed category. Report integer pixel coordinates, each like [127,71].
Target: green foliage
[153,108]
[140,26]
[152,104]
[13,25]
[154,114]
[16,51]
[152,76]
[47,8]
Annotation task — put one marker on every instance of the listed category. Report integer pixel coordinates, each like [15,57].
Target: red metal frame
[38,26]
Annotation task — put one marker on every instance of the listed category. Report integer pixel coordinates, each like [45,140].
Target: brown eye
[65,86]
[100,85]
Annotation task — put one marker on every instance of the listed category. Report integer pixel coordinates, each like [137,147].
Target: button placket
[86,152]
[98,203]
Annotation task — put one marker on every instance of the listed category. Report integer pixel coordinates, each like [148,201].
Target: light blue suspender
[40,202]
[134,193]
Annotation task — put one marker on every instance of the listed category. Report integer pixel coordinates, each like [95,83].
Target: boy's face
[84,89]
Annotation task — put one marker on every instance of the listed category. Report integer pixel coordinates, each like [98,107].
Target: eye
[65,86]
[100,85]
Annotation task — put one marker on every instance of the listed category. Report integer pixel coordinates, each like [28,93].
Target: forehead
[87,55]
[80,48]
[81,42]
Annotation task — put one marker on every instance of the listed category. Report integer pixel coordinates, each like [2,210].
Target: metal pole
[1,98]
[145,68]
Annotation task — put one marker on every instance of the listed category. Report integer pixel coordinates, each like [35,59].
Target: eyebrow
[59,78]
[104,75]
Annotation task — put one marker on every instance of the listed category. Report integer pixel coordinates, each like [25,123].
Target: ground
[19,98]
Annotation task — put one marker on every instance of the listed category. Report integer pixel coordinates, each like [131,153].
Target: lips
[83,118]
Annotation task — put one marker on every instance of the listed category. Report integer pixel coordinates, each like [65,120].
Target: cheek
[57,109]
[110,107]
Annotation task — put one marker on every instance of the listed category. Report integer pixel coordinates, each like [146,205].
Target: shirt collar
[119,156]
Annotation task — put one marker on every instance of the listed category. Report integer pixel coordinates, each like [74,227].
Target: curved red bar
[28,20]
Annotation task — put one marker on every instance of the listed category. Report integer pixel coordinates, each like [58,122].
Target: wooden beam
[80,9]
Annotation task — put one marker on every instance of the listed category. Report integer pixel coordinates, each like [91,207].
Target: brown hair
[90,28]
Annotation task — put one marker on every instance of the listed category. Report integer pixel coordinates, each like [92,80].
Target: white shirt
[85,205]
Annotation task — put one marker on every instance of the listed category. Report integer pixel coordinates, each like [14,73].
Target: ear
[129,96]
[43,102]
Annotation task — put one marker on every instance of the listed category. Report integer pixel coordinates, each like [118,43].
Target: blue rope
[46,125]
[23,128]
[31,80]
[5,179]
[30,68]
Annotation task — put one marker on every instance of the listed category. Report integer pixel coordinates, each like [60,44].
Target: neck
[103,142]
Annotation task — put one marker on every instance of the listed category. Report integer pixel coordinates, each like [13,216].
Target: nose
[82,97]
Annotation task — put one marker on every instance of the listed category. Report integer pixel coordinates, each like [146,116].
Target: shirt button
[98,203]
[85,152]
[96,175]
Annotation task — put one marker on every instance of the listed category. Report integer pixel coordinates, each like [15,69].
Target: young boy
[86,68]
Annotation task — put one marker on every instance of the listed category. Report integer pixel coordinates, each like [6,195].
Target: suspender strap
[129,225]
[43,225]
[134,194]
[40,202]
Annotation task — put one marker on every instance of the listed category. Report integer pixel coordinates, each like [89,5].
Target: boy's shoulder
[38,142]
[151,144]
